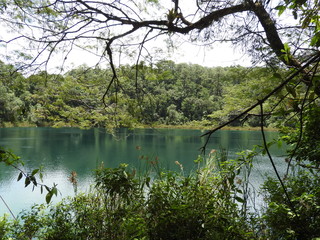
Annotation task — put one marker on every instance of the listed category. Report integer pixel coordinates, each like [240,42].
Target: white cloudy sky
[219,54]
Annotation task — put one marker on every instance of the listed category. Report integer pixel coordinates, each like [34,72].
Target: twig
[8,207]
[272,162]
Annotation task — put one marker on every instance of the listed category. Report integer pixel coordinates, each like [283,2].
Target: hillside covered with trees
[165,93]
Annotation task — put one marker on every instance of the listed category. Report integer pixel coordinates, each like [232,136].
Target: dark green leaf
[295,15]
[315,41]
[239,199]
[49,197]
[27,181]
[148,182]
[20,176]
[291,90]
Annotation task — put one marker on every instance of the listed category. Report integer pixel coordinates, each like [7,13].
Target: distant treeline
[164,93]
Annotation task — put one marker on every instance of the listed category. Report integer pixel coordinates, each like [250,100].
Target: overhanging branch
[288,79]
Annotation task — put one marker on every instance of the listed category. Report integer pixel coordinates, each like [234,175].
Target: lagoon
[62,150]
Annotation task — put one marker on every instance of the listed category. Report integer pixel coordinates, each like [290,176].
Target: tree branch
[316,57]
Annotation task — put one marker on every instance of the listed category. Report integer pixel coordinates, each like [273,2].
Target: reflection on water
[63,150]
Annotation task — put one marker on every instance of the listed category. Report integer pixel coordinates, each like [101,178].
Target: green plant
[301,222]
[202,205]
[306,138]
[5,227]
[122,205]
[30,177]
[123,196]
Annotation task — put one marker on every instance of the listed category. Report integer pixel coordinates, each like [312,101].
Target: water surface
[63,150]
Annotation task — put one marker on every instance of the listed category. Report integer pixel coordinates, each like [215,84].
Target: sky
[218,54]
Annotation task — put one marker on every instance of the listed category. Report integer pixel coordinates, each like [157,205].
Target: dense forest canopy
[171,94]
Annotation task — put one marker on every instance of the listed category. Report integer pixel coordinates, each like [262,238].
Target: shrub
[124,206]
[5,227]
[303,220]
[199,206]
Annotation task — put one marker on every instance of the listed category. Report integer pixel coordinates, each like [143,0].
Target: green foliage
[166,93]
[303,221]
[200,206]
[12,160]
[117,183]
[307,12]
[123,205]
[5,227]
[305,145]
[244,90]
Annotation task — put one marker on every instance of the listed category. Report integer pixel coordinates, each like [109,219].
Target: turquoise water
[63,150]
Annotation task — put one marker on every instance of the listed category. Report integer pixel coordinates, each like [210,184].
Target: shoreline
[155,126]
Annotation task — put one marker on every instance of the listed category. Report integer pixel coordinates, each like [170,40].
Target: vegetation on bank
[163,94]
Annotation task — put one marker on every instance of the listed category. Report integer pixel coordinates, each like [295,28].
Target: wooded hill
[163,93]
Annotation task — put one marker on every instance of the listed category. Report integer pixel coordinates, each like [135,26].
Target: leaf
[148,182]
[286,48]
[239,191]
[315,41]
[239,199]
[33,180]
[47,188]
[49,197]
[54,191]
[291,90]
[34,172]
[269,144]
[20,176]
[295,15]
[41,176]
[277,75]
[306,22]
[281,9]
[27,181]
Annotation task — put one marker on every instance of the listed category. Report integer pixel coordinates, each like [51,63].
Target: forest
[163,94]
[131,82]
